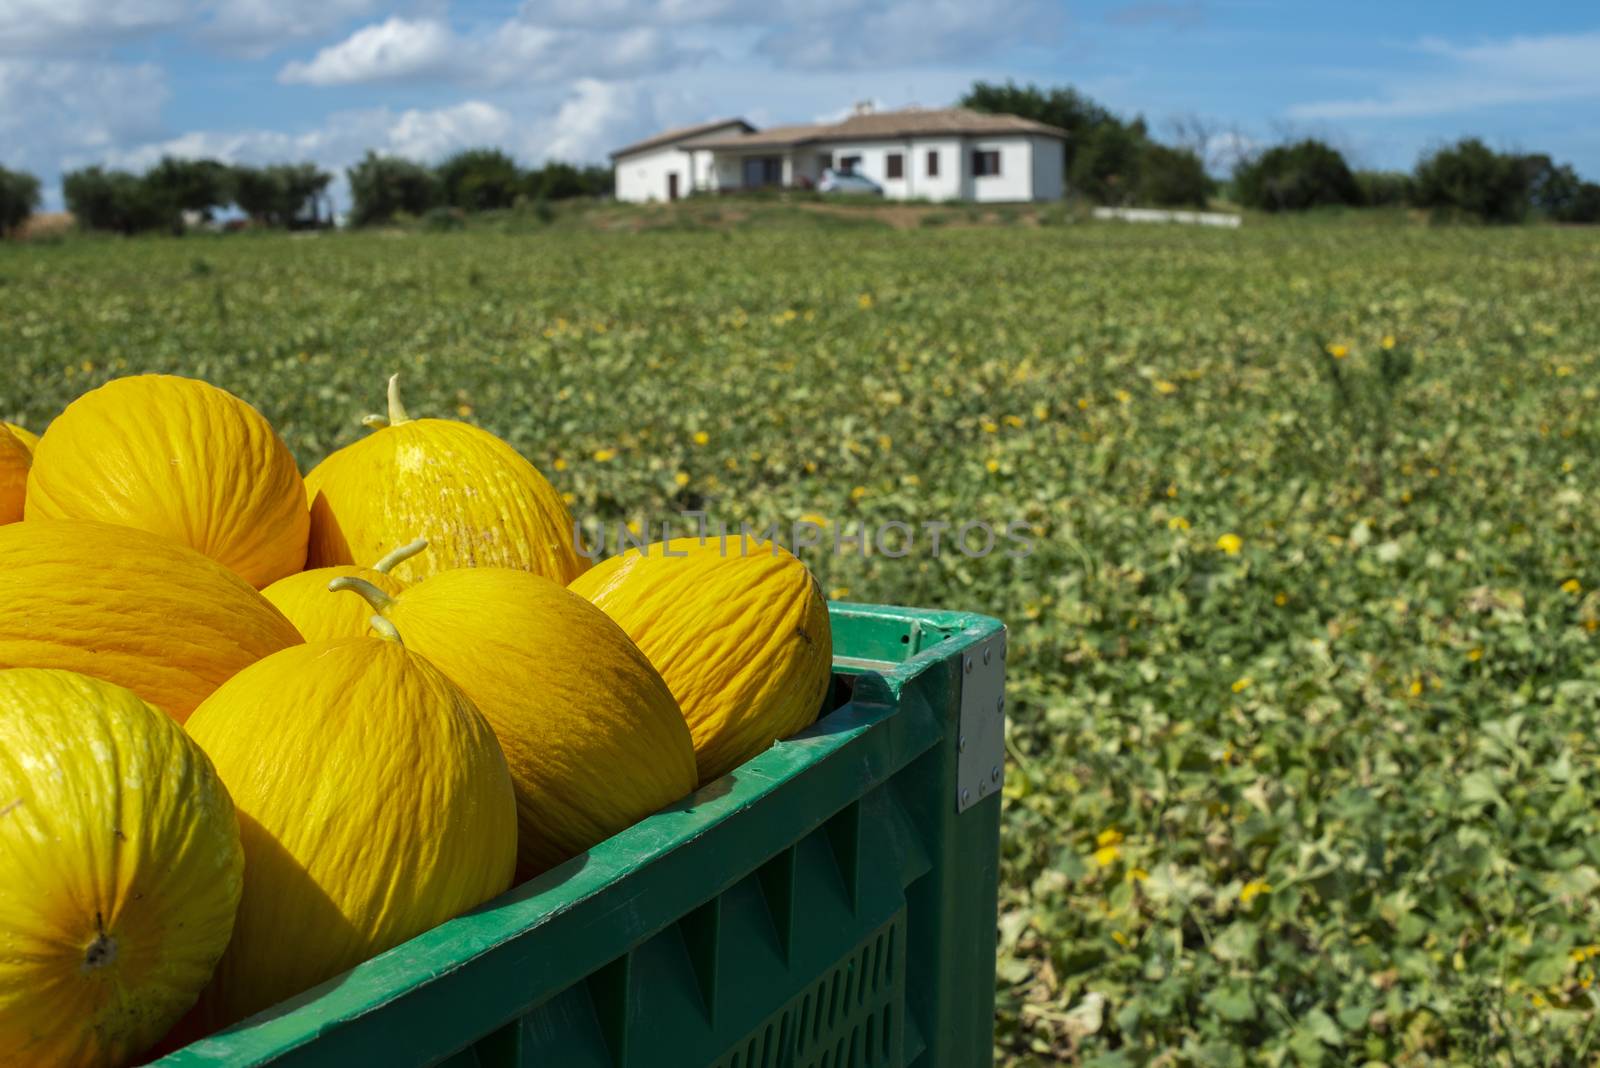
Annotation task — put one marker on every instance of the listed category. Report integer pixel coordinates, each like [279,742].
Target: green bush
[283,194]
[1307,174]
[1470,178]
[480,179]
[118,202]
[1382,189]
[382,187]
[19,196]
[1173,178]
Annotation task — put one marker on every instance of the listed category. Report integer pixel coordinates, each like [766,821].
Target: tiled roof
[871,126]
[681,133]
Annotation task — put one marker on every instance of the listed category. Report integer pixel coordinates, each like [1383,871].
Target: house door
[672,186]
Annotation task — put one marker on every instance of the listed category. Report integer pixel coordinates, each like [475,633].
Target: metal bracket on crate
[981,741]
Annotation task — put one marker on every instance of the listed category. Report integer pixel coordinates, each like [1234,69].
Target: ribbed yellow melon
[28,438]
[476,501]
[14,462]
[131,608]
[373,803]
[120,871]
[740,635]
[182,459]
[304,600]
[593,737]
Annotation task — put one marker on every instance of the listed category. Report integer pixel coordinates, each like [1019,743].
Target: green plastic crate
[829,904]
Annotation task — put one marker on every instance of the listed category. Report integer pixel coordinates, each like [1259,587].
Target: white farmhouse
[913,153]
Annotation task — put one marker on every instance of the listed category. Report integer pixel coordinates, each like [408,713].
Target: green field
[1304,686]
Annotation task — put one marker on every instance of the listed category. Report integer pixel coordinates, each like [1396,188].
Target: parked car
[833,181]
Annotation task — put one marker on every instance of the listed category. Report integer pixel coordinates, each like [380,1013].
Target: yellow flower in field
[1123,396]
[701,437]
[1572,585]
[1591,624]
[558,464]
[1387,342]
[1243,683]
[1119,938]
[1415,689]
[1041,411]
[810,466]
[1474,655]
[885,442]
[858,493]
[1172,489]
[1280,599]
[603,455]
[991,465]
[1252,889]
[1164,387]
[569,498]
[1338,352]
[864,301]
[1177,522]
[1108,837]
[816,520]
[838,593]
[1014,421]
[463,410]
[1137,875]
[989,425]
[1106,856]
[1583,953]
[1230,544]
[681,479]
[1083,404]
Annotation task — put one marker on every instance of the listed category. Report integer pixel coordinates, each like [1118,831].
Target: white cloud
[394,50]
[35,26]
[1519,70]
[874,34]
[71,108]
[258,27]
[515,52]
[596,118]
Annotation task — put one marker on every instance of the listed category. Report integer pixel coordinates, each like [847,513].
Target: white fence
[1197,218]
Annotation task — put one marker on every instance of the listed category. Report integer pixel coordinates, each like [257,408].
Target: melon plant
[374,804]
[739,631]
[473,497]
[180,458]
[304,601]
[120,870]
[593,737]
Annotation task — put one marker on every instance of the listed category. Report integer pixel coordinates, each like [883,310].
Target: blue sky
[124,81]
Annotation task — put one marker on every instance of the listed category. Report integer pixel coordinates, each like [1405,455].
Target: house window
[933,163]
[763,171]
[894,164]
[849,164]
[985,163]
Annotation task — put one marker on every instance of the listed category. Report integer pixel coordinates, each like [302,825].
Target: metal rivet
[968,662]
[961,744]
[1000,705]
[994,773]
[983,788]
[986,654]
[966,796]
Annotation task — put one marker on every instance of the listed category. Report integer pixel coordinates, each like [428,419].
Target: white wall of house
[947,185]
[1015,180]
[1048,157]
[642,176]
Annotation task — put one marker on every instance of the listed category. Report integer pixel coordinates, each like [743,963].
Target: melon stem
[397,410]
[386,630]
[381,602]
[400,556]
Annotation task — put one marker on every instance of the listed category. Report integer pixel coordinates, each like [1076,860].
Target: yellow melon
[373,804]
[740,633]
[120,871]
[593,737]
[182,459]
[28,438]
[131,608]
[304,600]
[476,501]
[14,462]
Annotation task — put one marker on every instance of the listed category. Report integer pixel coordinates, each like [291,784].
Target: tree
[1307,174]
[19,196]
[1105,163]
[563,181]
[384,186]
[1062,106]
[197,185]
[282,194]
[1471,178]
[480,179]
[117,201]
[1384,188]
[1173,177]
